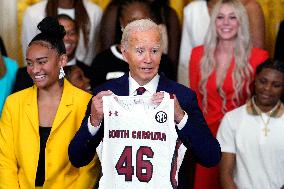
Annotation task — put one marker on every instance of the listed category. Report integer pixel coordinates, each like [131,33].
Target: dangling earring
[61,73]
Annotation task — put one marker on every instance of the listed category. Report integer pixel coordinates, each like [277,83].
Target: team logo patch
[161,117]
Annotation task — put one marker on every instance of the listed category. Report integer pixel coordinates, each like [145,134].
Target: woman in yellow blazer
[38,123]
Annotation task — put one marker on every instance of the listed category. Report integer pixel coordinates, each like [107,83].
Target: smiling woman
[46,55]
[227,24]
[43,119]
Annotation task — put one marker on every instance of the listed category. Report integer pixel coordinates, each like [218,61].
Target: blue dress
[8,80]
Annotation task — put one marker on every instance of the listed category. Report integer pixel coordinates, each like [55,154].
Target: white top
[259,158]
[195,23]
[35,13]
[69,12]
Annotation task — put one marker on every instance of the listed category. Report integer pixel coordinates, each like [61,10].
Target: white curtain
[8,26]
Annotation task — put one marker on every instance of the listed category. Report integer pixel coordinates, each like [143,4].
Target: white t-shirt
[259,158]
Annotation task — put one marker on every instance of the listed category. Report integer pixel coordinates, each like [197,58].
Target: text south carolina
[148,135]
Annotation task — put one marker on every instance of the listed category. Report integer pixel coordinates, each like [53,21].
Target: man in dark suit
[142,49]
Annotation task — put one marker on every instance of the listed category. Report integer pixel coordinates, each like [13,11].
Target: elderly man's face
[143,55]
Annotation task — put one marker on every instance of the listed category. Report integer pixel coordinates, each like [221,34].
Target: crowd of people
[225,95]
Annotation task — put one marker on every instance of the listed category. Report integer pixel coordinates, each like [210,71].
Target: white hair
[140,25]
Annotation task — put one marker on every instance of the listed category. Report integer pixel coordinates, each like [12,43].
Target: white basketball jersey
[140,148]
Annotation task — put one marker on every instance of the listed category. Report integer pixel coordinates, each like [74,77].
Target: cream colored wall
[8,25]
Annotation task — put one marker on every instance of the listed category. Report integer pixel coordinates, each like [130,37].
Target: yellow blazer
[20,142]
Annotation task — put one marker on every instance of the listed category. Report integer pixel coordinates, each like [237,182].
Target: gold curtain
[21,7]
[178,6]
[273,12]
[101,3]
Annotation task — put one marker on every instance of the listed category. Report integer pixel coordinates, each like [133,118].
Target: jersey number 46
[144,168]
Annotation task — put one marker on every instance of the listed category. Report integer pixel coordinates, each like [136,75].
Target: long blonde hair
[242,70]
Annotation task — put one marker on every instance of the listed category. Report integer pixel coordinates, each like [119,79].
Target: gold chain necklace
[266,130]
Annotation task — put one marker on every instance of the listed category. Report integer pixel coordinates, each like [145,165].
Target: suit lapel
[65,106]
[162,85]
[122,85]
[31,108]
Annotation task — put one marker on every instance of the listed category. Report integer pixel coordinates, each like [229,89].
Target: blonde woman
[196,19]
[222,70]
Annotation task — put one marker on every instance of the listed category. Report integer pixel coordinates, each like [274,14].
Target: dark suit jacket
[195,135]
